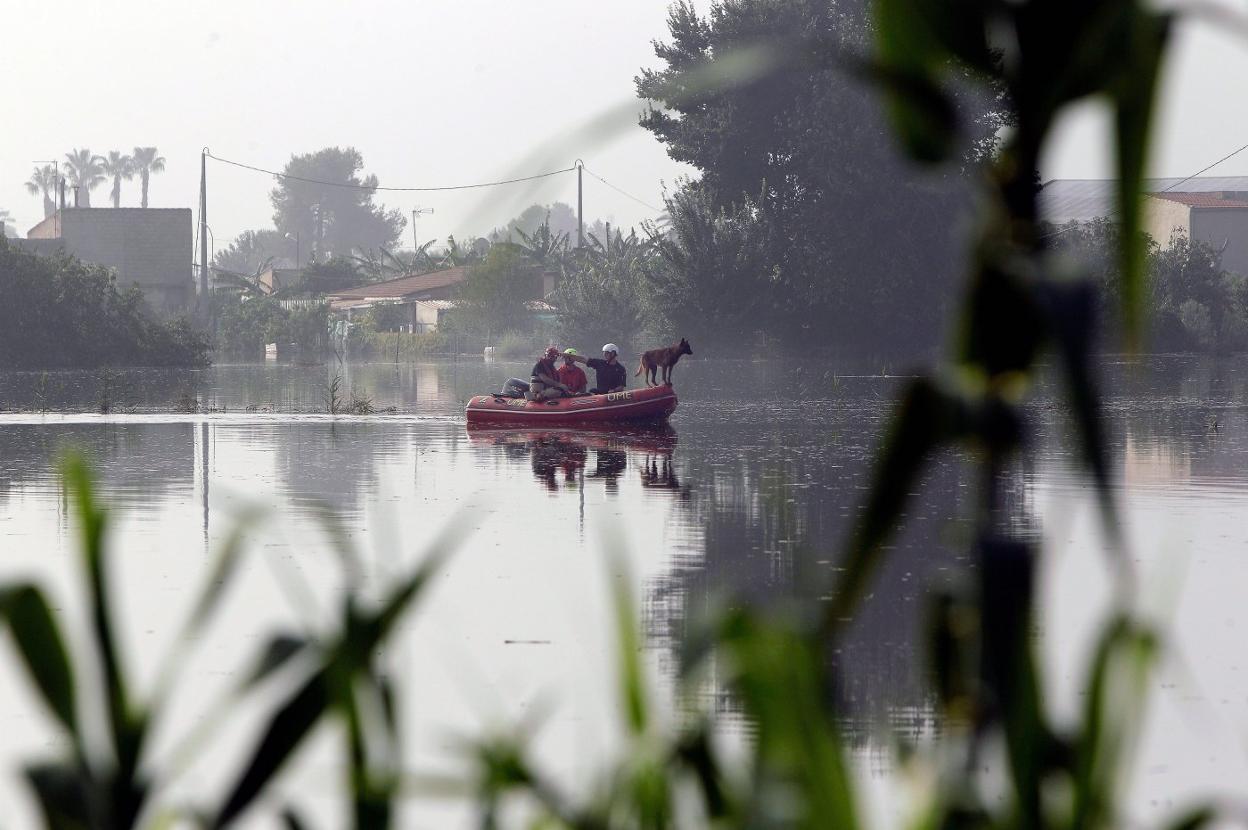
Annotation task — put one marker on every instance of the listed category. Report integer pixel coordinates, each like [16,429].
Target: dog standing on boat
[665,359]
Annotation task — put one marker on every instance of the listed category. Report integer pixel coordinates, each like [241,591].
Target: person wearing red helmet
[544,381]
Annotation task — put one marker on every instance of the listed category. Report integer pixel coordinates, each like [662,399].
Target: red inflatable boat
[649,404]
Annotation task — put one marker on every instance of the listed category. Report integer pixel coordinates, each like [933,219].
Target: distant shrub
[382,345]
[60,312]
[515,344]
[1197,322]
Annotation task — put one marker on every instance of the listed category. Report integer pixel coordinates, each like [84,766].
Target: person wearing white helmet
[610,373]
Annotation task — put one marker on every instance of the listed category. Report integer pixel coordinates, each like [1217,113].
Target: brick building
[147,247]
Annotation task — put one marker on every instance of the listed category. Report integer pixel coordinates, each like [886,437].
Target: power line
[1206,169]
[390,189]
[623,192]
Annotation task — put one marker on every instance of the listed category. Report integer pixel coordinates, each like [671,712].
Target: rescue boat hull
[650,404]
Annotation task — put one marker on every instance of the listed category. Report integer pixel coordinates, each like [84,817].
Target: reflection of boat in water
[649,404]
[567,450]
[659,438]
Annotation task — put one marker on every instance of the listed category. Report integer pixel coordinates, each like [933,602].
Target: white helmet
[611,347]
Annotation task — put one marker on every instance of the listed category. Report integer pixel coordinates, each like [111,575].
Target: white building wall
[1162,218]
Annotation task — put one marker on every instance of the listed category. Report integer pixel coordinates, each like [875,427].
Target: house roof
[404,286]
[1081,200]
[1201,200]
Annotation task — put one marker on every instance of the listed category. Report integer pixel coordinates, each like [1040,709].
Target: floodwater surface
[748,493]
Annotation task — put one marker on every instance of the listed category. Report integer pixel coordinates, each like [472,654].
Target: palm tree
[146,162]
[545,247]
[5,216]
[118,167]
[43,180]
[86,172]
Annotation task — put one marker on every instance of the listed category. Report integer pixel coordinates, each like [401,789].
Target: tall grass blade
[279,651]
[65,795]
[285,731]
[799,757]
[127,787]
[1007,592]
[39,641]
[1114,702]
[1147,34]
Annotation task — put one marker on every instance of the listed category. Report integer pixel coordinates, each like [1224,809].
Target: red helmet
[552,352]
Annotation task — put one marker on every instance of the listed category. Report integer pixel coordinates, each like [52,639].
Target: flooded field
[750,492]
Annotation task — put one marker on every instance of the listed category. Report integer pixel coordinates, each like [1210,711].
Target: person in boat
[610,373]
[544,382]
[571,375]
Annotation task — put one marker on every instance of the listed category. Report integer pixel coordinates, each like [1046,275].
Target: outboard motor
[514,388]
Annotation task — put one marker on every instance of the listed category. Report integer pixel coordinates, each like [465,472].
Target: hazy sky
[433,92]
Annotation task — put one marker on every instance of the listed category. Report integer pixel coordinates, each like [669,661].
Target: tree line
[60,312]
[1195,305]
[83,171]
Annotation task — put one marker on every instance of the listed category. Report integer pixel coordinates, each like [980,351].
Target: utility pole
[205,307]
[295,237]
[580,205]
[417,211]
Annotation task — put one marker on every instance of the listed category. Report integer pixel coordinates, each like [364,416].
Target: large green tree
[326,200]
[861,246]
[252,249]
[714,281]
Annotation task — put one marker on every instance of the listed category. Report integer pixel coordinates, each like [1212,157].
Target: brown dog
[665,359]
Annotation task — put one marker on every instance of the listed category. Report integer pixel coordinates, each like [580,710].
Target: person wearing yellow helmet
[571,375]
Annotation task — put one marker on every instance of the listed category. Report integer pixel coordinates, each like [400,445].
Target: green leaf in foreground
[42,648]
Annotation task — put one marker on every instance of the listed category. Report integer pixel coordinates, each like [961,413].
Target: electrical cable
[623,192]
[390,189]
[1206,169]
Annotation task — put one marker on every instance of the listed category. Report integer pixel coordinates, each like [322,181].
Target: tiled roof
[404,286]
[1081,200]
[1201,200]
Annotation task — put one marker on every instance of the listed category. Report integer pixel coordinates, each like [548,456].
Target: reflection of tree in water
[773,520]
[137,464]
[334,464]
